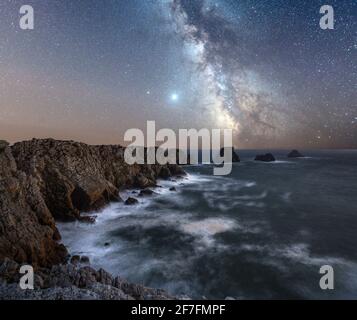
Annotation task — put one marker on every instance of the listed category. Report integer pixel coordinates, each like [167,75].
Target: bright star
[174,97]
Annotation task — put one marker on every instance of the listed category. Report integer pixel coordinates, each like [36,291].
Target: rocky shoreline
[44,181]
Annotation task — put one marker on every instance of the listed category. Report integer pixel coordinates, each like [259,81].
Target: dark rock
[85,260]
[265,158]
[104,277]
[165,173]
[75,260]
[146,192]
[235,157]
[143,182]
[131,201]
[173,189]
[176,170]
[3,145]
[88,219]
[107,244]
[295,154]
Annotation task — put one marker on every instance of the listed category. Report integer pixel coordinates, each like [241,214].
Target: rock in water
[131,201]
[295,154]
[235,157]
[146,192]
[265,157]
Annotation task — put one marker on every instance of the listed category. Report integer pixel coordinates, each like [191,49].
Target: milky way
[92,69]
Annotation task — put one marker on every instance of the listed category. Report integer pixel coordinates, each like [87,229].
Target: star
[174,97]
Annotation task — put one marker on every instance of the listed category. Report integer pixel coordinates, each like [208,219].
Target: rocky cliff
[27,227]
[46,180]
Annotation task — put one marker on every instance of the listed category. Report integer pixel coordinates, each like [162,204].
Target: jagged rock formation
[295,154]
[27,227]
[46,180]
[265,158]
[235,157]
[73,282]
[75,177]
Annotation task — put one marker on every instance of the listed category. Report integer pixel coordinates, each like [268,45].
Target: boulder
[265,158]
[75,259]
[146,192]
[173,189]
[131,201]
[165,173]
[85,260]
[295,154]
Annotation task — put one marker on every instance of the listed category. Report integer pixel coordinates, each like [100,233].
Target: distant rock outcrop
[295,154]
[235,157]
[265,157]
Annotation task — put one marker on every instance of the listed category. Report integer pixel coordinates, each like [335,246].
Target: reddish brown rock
[27,228]
[44,180]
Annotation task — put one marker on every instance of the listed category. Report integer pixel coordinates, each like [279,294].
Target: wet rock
[176,170]
[295,154]
[143,182]
[88,219]
[75,260]
[104,277]
[265,158]
[173,189]
[146,192]
[107,244]
[85,260]
[131,201]
[165,173]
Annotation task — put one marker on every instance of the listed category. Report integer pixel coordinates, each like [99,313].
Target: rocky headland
[44,181]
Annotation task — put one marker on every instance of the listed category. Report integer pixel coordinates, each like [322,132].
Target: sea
[263,232]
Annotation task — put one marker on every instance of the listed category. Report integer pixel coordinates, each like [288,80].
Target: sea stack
[265,157]
[235,157]
[295,154]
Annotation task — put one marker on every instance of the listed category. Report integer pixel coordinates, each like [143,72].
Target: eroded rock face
[75,177]
[27,228]
[46,180]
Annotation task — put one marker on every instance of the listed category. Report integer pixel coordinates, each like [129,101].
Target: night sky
[92,69]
